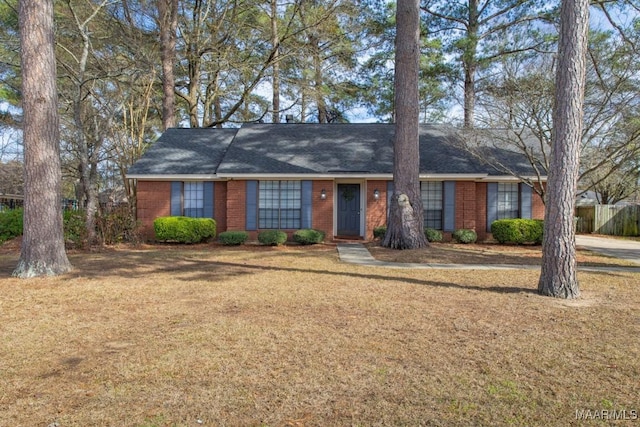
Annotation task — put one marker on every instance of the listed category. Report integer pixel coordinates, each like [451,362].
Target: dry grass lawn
[204,335]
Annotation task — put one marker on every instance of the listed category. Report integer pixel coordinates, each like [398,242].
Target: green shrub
[75,228]
[433,235]
[272,237]
[308,236]
[10,224]
[517,230]
[233,238]
[183,229]
[379,232]
[465,235]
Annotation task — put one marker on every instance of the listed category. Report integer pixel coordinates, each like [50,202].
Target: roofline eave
[328,176]
[173,177]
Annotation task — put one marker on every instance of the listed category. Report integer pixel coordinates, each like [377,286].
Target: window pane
[290,194]
[194,199]
[279,205]
[268,218]
[432,195]
[268,195]
[508,200]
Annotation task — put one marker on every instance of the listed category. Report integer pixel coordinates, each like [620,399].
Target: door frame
[363,204]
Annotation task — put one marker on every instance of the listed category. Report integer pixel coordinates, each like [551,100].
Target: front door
[348,209]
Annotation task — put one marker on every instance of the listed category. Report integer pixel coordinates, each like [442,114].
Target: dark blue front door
[348,209]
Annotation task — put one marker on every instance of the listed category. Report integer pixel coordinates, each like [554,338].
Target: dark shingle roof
[184,152]
[311,149]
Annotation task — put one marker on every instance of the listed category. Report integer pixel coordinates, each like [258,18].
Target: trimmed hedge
[183,229]
[308,236]
[379,232]
[518,230]
[465,235]
[233,238]
[10,224]
[433,235]
[272,237]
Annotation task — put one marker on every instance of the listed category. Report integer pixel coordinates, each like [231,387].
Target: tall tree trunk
[168,20]
[88,180]
[275,83]
[405,229]
[558,276]
[469,62]
[43,251]
[318,79]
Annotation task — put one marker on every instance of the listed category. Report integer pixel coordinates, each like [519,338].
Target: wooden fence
[608,219]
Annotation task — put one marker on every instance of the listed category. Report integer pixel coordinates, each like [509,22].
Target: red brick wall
[376,209]
[537,207]
[466,205]
[236,209]
[153,200]
[220,207]
[481,211]
[322,210]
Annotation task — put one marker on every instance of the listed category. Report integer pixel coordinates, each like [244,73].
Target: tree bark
[558,276]
[405,229]
[168,20]
[275,42]
[42,251]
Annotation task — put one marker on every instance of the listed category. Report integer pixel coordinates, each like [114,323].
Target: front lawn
[253,336]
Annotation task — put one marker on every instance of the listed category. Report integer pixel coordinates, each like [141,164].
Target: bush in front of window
[272,237]
[233,238]
[379,232]
[518,230]
[433,235]
[465,235]
[182,229]
[308,236]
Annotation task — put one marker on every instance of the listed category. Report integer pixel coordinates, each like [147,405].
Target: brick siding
[322,210]
[153,201]
[154,198]
[236,210]
[220,205]
[376,209]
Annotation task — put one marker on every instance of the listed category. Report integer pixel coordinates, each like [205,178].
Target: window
[194,199]
[279,205]
[431,194]
[508,200]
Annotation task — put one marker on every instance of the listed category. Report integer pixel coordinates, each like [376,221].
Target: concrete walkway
[356,253]
[617,248]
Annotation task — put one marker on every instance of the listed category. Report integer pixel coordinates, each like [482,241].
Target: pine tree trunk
[168,19]
[275,83]
[405,227]
[43,251]
[470,64]
[558,276]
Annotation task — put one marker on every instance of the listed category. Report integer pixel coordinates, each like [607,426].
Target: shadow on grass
[189,266]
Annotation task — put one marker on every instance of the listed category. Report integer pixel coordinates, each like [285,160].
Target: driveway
[617,248]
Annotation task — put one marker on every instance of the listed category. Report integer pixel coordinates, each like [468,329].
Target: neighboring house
[333,177]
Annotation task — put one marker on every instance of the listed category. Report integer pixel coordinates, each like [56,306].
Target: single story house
[333,177]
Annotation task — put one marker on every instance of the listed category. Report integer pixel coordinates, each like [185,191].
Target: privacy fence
[608,219]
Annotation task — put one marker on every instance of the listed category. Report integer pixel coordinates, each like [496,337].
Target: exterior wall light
[376,194]
[323,194]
